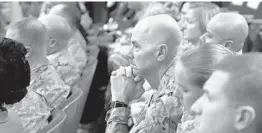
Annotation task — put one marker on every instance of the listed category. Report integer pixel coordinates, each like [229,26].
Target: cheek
[138,56]
[193,31]
[222,116]
[189,99]
[143,59]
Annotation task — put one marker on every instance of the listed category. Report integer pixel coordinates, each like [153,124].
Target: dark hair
[14,71]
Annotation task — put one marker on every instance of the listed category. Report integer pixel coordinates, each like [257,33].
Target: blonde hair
[202,60]
[204,11]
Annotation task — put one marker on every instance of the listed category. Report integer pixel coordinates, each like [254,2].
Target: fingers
[138,78]
[121,71]
[141,82]
[129,72]
[114,73]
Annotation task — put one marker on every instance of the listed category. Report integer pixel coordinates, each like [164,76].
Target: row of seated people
[177,59]
[57,54]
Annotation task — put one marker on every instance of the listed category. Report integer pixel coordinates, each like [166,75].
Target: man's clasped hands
[126,84]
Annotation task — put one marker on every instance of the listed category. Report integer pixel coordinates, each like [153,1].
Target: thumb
[141,82]
[140,92]
[139,79]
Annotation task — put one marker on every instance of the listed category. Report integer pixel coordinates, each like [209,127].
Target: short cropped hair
[29,29]
[204,11]
[70,12]
[244,86]
[245,74]
[57,27]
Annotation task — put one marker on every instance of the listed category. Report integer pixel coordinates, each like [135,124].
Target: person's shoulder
[50,75]
[50,71]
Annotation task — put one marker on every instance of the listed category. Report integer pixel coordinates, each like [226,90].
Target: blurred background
[101,12]
[108,25]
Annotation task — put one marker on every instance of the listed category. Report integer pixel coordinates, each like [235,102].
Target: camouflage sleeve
[117,122]
[163,115]
[173,103]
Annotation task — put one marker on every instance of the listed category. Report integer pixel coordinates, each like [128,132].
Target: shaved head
[158,29]
[245,74]
[57,27]
[243,86]
[155,40]
[70,12]
[230,26]
[29,31]
[59,32]
[50,4]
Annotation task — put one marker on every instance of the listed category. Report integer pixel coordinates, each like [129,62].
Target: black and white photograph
[131,66]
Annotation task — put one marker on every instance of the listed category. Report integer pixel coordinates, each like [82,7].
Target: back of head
[14,71]
[201,61]
[204,11]
[231,26]
[57,27]
[70,12]
[158,29]
[29,31]
[243,87]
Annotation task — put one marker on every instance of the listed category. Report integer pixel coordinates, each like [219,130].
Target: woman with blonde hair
[195,21]
[192,70]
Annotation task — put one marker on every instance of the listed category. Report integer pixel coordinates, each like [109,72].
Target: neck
[36,61]
[195,42]
[154,78]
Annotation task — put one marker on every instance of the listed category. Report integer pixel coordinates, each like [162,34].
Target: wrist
[117,104]
[120,99]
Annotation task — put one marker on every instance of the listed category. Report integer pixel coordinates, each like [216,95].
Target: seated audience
[47,89]
[155,41]
[195,22]
[14,78]
[232,97]
[192,70]
[45,80]
[77,46]
[59,33]
[227,28]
